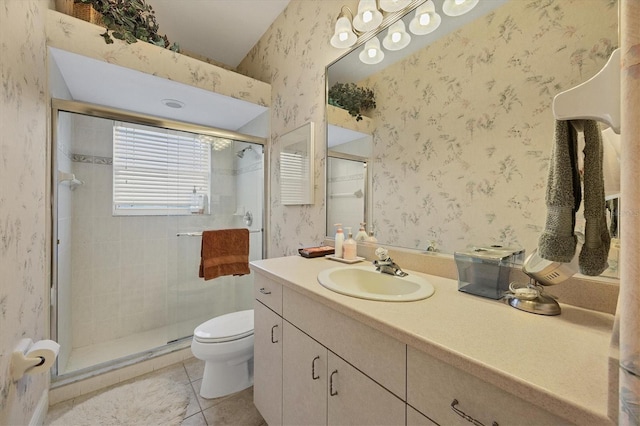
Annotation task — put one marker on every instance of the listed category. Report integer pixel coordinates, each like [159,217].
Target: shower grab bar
[199,234]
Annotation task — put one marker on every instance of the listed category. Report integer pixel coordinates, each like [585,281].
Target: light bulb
[371,54]
[343,36]
[367,16]
[395,37]
[458,7]
[426,19]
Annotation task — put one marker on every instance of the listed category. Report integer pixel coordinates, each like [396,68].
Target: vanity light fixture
[372,54]
[458,7]
[397,37]
[343,35]
[426,20]
[368,17]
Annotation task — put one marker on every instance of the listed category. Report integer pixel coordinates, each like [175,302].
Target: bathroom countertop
[557,362]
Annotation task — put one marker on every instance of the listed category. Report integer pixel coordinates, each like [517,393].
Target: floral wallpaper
[464,127]
[23,199]
[292,56]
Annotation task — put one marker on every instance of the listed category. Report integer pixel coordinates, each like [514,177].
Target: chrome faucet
[386,265]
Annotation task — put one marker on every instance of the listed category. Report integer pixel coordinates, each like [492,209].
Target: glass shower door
[235,201]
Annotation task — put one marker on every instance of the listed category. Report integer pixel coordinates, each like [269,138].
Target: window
[156,170]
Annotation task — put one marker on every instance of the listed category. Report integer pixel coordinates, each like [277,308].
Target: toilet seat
[225,328]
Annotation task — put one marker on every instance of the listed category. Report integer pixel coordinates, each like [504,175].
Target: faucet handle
[382,253]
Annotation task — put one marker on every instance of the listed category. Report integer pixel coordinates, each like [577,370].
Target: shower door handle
[272,339]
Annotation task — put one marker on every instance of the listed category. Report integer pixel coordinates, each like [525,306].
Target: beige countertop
[559,363]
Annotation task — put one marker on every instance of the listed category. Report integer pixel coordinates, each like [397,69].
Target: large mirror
[458,146]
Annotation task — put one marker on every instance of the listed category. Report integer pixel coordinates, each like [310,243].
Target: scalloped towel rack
[596,99]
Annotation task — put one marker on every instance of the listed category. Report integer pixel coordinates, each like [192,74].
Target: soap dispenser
[350,247]
[371,238]
[362,233]
[339,241]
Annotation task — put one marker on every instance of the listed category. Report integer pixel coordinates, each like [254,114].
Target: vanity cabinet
[315,365]
[316,386]
[321,388]
[447,394]
[304,396]
[267,362]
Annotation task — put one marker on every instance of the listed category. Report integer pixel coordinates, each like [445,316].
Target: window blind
[294,173]
[155,170]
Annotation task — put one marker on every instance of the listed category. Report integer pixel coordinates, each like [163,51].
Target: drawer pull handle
[264,291]
[272,338]
[466,416]
[313,368]
[331,392]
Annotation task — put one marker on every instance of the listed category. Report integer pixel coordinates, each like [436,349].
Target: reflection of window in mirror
[296,166]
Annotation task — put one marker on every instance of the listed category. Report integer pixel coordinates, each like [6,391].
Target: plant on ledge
[354,99]
[130,20]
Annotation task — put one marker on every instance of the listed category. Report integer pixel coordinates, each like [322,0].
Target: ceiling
[222,30]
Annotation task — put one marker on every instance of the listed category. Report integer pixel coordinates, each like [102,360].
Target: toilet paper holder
[23,361]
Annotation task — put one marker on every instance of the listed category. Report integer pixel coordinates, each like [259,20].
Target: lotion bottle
[362,234]
[339,241]
[371,238]
[350,247]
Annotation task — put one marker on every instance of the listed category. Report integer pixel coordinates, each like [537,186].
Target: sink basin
[365,282]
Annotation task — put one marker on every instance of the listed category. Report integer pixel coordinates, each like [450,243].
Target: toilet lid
[233,326]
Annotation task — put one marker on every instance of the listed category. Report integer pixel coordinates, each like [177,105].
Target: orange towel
[224,252]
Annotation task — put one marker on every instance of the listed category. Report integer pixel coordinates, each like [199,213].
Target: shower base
[112,350]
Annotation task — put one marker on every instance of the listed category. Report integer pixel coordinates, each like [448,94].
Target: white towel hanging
[596,99]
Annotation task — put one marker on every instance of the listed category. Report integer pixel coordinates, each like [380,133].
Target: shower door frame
[62,105]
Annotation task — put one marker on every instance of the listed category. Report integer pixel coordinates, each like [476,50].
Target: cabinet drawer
[377,355]
[432,387]
[268,292]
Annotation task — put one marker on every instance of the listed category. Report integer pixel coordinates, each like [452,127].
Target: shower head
[243,151]
[240,153]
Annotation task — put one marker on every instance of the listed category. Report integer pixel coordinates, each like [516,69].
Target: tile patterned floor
[235,409]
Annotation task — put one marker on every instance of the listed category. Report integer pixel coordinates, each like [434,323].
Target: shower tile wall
[131,274]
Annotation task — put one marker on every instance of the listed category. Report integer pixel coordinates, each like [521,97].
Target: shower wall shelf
[596,99]
[69,179]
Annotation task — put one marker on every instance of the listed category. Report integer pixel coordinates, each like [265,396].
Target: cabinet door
[304,395]
[267,362]
[355,399]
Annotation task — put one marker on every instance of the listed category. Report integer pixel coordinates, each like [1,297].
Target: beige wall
[23,197]
[292,56]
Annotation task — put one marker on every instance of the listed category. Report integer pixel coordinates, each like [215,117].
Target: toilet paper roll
[45,349]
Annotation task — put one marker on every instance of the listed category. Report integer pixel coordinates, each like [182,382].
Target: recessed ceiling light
[172,103]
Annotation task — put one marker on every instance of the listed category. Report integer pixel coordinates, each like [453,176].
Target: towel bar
[199,234]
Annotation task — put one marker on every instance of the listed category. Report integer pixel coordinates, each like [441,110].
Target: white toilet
[225,343]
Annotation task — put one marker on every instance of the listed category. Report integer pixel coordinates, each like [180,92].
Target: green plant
[130,20]
[354,99]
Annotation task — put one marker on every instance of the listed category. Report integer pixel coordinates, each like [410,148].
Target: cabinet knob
[331,391]
[272,336]
[264,291]
[313,368]
[466,416]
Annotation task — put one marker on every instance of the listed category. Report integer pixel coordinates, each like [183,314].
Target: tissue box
[484,270]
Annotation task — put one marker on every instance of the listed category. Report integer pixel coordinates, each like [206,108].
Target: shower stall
[131,196]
